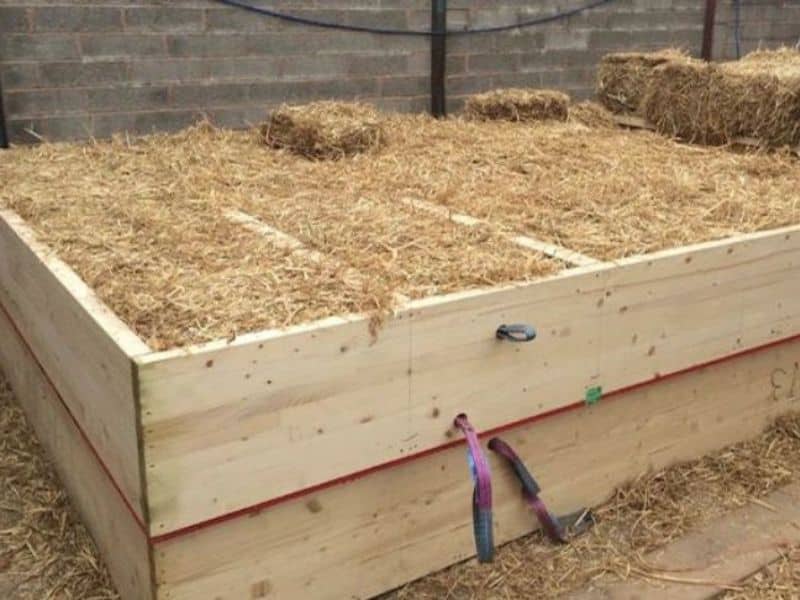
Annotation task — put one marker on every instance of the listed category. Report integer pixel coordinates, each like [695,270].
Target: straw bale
[622,77]
[678,102]
[520,105]
[757,98]
[325,130]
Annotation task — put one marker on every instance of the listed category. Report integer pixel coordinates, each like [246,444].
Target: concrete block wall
[80,68]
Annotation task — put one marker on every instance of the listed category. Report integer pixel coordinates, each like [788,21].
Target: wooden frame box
[320,461]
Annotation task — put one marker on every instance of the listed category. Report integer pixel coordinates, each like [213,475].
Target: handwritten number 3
[779,379]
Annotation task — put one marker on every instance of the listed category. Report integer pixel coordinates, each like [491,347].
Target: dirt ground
[47,554]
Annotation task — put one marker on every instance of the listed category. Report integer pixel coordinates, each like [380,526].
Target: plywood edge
[128,342]
[367,536]
[273,335]
[245,340]
[84,349]
[113,524]
[740,239]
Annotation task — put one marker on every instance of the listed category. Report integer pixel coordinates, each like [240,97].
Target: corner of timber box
[317,462]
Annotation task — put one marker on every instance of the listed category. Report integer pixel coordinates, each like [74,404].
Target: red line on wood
[105,468]
[261,506]
[351,477]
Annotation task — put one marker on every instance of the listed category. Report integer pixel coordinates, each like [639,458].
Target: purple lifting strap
[483,485]
[530,490]
[482,495]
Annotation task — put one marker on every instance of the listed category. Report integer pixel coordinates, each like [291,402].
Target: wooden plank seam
[184,531]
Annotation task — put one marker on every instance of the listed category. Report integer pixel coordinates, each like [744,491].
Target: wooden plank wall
[81,345]
[228,427]
[367,536]
[122,541]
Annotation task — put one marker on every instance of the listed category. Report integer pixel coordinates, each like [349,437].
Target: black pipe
[438,58]
[3,131]
[289,18]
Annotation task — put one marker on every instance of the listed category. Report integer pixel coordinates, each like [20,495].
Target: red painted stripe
[487,433]
[261,506]
[75,422]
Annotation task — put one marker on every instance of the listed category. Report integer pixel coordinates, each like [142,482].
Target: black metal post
[438,58]
[3,131]
[708,30]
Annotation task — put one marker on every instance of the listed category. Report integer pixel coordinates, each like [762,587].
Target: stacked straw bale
[325,130]
[756,98]
[519,105]
[623,77]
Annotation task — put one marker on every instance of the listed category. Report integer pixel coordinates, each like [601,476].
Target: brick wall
[72,69]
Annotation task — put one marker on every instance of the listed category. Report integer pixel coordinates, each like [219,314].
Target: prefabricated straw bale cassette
[319,460]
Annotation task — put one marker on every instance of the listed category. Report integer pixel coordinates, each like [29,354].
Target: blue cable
[411,32]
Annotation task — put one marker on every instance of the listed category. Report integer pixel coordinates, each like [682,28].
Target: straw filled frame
[188,440]
[268,461]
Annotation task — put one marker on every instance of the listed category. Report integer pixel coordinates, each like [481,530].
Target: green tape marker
[593,395]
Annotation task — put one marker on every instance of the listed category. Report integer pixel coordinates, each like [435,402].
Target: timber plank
[279,239]
[561,253]
[369,535]
[83,347]
[634,122]
[241,415]
[291,394]
[122,541]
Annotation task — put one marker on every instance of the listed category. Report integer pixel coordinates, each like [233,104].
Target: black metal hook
[518,332]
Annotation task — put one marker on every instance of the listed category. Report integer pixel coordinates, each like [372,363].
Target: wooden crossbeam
[634,122]
[278,238]
[553,250]
[285,241]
